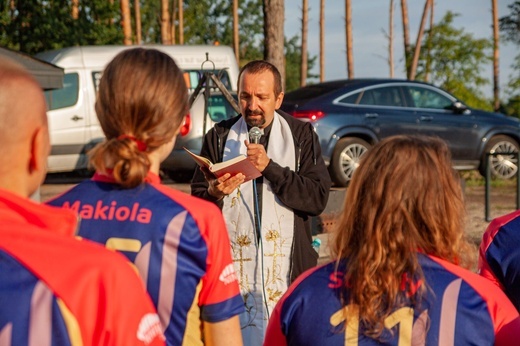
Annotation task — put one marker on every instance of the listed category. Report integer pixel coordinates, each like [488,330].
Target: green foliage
[510,24]
[510,28]
[453,59]
[39,25]
[150,21]
[293,62]
[512,105]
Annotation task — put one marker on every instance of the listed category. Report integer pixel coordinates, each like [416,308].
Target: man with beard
[267,218]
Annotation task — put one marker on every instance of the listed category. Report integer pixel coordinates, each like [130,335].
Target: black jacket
[305,191]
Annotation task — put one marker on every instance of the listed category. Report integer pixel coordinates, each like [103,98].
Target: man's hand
[257,155]
[223,186]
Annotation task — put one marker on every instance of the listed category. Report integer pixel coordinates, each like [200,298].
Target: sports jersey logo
[149,328]
[228,275]
[110,211]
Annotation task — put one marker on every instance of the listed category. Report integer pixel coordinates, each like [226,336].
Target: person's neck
[18,185]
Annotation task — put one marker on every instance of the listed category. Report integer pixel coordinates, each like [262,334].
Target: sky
[371,17]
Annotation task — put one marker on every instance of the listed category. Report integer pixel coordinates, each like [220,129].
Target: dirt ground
[502,200]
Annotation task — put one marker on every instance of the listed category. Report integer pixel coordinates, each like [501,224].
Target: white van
[73,124]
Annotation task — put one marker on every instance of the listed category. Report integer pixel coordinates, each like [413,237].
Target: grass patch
[473,178]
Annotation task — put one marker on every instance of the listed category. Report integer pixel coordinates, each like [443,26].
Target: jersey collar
[107,177]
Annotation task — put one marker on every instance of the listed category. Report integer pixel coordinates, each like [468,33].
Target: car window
[386,96]
[428,98]
[350,99]
[66,96]
[219,108]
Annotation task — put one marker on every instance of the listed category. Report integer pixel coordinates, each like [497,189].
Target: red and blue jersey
[57,290]
[499,255]
[179,244]
[459,308]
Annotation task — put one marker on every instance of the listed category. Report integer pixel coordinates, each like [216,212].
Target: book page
[201,161]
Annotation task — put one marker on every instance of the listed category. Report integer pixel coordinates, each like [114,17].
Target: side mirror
[460,108]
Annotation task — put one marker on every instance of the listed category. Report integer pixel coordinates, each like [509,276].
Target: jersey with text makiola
[459,308]
[179,244]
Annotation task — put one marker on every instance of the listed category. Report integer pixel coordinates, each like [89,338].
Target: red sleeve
[493,228]
[274,335]
[483,267]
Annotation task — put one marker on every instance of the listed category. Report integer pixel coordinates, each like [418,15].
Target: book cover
[239,164]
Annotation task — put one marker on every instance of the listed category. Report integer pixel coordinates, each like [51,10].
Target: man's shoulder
[298,127]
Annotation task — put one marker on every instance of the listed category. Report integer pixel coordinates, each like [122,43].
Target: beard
[254,122]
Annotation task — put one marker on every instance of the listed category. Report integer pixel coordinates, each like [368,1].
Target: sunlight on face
[257,99]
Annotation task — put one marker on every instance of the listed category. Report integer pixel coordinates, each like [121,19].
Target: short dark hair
[257,66]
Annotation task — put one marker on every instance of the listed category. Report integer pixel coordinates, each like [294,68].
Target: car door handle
[371,115]
[426,118]
[76,118]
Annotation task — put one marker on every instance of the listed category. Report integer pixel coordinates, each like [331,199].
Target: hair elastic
[140,144]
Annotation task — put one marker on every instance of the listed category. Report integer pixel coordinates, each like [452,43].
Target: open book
[239,164]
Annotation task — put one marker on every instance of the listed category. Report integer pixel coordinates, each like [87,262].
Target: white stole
[262,268]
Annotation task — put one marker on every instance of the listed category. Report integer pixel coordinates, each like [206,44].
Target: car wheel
[345,159]
[502,166]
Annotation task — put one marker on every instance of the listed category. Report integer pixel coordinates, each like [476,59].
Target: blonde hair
[141,102]
[404,198]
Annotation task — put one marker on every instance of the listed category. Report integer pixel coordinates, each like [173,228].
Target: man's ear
[279,100]
[39,151]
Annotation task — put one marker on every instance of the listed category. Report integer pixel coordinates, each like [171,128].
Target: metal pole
[487,184]
[517,180]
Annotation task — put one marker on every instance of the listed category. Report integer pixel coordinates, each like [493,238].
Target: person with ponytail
[178,243]
[395,278]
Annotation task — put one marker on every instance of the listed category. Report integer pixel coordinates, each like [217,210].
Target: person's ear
[279,100]
[39,151]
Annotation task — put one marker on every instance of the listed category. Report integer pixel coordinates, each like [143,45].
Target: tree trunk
[236,43]
[391,40]
[75,9]
[429,57]
[348,29]
[413,68]
[12,9]
[165,23]
[496,55]
[322,40]
[125,19]
[137,9]
[406,35]
[305,29]
[181,22]
[274,16]
[174,16]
